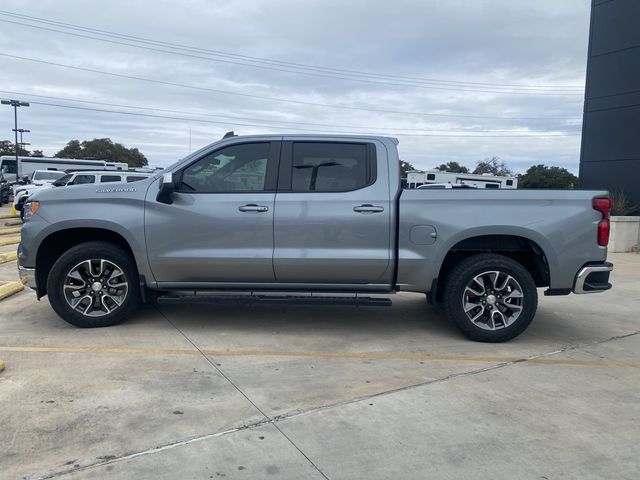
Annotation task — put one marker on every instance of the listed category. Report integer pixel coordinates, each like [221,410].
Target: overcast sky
[452,79]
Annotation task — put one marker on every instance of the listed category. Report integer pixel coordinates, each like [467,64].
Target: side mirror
[167,187]
[26,179]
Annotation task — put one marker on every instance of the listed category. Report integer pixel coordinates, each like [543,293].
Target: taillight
[603,205]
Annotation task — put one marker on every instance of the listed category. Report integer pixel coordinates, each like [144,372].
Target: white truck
[37,180]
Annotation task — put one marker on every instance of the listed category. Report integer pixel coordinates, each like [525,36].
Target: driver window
[237,168]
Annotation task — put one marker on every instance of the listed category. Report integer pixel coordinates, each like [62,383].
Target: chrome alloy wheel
[95,287]
[493,300]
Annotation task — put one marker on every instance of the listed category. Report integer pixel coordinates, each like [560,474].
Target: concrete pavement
[248,391]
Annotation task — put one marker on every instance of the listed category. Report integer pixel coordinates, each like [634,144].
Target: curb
[9,241]
[1,365]
[10,288]
[9,216]
[9,231]
[8,257]
[12,221]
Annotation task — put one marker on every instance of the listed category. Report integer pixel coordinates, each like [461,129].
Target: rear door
[333,213]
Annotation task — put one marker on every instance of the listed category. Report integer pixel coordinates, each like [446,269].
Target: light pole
[15,104]
[21,131]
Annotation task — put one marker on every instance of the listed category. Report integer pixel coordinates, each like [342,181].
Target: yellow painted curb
[12,221]
[9,231]
[1,365]
[9,241]
[10,288]
[8,257]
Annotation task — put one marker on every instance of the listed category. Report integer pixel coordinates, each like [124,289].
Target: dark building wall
[610,154]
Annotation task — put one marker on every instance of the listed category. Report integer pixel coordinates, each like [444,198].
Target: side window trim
[271,176]
[286,166]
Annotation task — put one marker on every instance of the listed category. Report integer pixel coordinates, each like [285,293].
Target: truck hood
[94,192]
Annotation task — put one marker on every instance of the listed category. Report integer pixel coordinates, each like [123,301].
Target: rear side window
[110,178]
[82,179]
[331,167]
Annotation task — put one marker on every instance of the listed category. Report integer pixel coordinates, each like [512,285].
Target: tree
[405,167]
[103,149]
[493,166]
[37,153]
[541,176]
[7,147]
[453,167]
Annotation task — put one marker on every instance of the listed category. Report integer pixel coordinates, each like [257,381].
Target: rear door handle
[368,208]
[252,207]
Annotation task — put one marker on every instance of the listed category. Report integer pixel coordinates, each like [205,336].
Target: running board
[308,299]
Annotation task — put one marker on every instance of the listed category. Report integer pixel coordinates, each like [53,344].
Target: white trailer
[416,178]
[15,171]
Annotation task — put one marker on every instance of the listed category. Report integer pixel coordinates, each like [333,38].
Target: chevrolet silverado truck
[306,217]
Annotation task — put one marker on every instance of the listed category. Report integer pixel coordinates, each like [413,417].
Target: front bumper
[593,278]
[28,276]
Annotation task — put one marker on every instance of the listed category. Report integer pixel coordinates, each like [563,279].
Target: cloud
[493,42]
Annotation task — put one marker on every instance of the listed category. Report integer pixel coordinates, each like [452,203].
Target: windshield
[62,181]
[48,175]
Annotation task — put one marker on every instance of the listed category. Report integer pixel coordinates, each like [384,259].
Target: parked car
[38,179]
[311,213]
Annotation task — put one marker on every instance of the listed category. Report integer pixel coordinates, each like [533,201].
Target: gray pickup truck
[313,214]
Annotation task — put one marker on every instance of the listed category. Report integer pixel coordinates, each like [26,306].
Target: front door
[219,227]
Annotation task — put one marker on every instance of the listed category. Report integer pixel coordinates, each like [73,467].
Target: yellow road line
[9,240]
[8,257]
[9,288]
[337,355]
[10,230]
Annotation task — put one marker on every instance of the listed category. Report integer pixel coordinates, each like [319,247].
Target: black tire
[92,251]
[456,292]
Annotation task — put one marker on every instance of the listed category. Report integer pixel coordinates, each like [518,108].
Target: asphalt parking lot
[255,391]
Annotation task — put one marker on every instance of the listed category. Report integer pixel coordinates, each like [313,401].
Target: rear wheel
[490,298]
[94,284]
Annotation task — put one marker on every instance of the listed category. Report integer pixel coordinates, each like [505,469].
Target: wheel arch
[58,242]
[527,247]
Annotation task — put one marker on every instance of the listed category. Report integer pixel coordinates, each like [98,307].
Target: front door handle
[252,207]
[368,208]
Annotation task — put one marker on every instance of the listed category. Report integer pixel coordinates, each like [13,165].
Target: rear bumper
[593,278]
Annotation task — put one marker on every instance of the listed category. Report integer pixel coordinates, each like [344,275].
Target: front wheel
[490,298]
[94,284]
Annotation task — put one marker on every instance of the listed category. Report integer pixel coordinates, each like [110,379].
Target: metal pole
[15,104]
[15,119]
